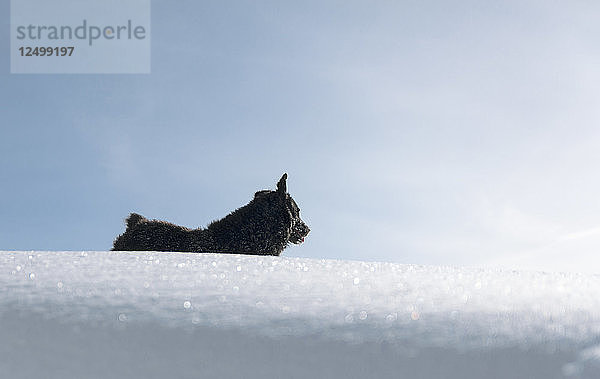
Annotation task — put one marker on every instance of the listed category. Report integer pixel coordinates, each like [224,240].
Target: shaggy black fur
[265,226]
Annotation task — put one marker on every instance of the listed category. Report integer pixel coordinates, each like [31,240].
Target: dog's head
[282,200]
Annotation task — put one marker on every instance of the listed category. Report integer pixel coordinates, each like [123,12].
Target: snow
[157,315]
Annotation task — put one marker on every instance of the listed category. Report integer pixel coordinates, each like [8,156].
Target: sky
[427,132]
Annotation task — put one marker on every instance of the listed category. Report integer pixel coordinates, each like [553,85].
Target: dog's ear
[261,193]
[281,186]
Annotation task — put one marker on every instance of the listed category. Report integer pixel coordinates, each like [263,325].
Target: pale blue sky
[433,132]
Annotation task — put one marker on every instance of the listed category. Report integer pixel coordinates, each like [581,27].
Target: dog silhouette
[264,226]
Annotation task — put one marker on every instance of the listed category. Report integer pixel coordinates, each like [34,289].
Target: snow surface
[179,315]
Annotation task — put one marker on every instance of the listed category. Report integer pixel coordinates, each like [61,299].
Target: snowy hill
[157,315]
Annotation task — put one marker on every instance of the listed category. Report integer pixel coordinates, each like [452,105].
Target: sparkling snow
[179,315]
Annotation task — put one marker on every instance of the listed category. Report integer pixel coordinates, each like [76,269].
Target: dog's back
[153,235]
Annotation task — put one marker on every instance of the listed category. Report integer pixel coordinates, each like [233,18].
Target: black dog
[265,226]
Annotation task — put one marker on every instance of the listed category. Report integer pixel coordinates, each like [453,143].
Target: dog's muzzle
[299,232]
